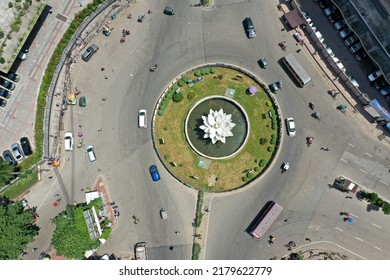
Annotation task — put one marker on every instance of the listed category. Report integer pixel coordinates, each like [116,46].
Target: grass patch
[21,185]
[229,172]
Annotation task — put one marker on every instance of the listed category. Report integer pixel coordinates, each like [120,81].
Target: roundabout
[220,135]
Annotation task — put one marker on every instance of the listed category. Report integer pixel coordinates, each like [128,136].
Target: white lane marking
[363,171]
[376,226]
[351,145]
[353,215]
[343,160]
[384,182]
[338,229]
[378,248]
[359,238]
[368,154]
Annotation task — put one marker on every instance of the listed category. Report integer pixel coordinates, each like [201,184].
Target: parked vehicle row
[18,152]
[7,84]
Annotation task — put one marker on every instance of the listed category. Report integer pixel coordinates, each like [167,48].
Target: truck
[345,185]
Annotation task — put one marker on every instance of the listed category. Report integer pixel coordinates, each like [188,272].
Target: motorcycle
[316,115]
[153,68]
[311,106]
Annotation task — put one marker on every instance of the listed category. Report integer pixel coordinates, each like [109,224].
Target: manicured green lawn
[230,172]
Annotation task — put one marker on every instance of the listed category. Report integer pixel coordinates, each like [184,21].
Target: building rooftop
[370,20]
[17,19]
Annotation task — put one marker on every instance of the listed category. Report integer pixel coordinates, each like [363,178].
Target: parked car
[339,64]
[7,84]
[3,102]
[169,11]
[249,27]
[385,90]
[380,83]
[308,19]
[9,157]
[335,17]
[356,47]
[26,146]
[163,214]
[91,153]
[263,63]
[360,55]
[13,76]
[89,52]
[23,55]
[351,40]
[5,93]
[290,127]
[345,33]
[329,50]
[325,3]
[154,173]
[17,152]
[68,138]
[375,75]
[339,25]
[329,10]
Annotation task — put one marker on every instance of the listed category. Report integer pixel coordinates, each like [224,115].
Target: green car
[169,11]
[263,63]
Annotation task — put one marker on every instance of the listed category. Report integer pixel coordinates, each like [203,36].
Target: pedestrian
[177,232]
[207,210]
[67,159]
[102,68]
[80,125]
[308,239]
[103,98]
[50,177]
[298,51]
[105,77]
[34,249]
[99,129]
[283,29]
[336,79]
[324,149]
[315,52]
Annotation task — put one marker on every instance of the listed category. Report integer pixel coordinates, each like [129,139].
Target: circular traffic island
[216,129]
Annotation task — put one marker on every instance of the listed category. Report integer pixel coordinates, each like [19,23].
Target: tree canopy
[16,230]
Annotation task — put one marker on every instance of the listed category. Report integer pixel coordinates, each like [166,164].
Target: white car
[373,76]
[91,153]
[142,119]
[290,127]
[68,141]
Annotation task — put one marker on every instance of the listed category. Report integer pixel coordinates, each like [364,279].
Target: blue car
[154,173]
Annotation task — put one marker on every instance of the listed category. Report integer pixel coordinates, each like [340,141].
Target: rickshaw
[83,101]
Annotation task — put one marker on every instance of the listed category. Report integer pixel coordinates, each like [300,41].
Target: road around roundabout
[192,37]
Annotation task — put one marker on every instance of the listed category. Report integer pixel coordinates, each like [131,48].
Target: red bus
[264,221]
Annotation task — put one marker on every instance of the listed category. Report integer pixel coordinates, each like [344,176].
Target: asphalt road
[124,152]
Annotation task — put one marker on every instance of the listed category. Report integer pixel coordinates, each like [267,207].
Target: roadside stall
[345,185]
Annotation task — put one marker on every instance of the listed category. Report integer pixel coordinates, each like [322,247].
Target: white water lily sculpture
[217,126]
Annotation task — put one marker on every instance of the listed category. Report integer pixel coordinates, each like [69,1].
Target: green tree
[17,230]
[6,172]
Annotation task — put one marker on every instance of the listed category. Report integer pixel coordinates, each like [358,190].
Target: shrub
[220,77]
[263,141]
[263,162]
[178,97]
[270,149]
[166,157]
[10,5]
[191,95]
[257,169]
[250,175]
[180,83]
[198,73]
[2,60]
[207,71]
[185,79]
[244,178]
[386,208]
[212,70]
[160,112]
[273,141]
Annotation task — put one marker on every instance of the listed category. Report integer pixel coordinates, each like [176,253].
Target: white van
[91,153]
[68,140]
[142,119]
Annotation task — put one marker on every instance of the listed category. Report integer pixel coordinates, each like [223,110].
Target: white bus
[263,222]
[296,70]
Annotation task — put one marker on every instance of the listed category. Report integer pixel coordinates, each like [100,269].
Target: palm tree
[6,172]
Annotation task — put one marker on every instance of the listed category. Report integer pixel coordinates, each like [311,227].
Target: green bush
[2,60]
[263,141]
[273,141]
[212,70]
[250,175]
[206,71]
[180,83]
[268,104]
[263,162]
[270,149]
[160,112]
[185,79]
[386,208]
[178,97]
[198,73]
[257,169]
[191,95]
